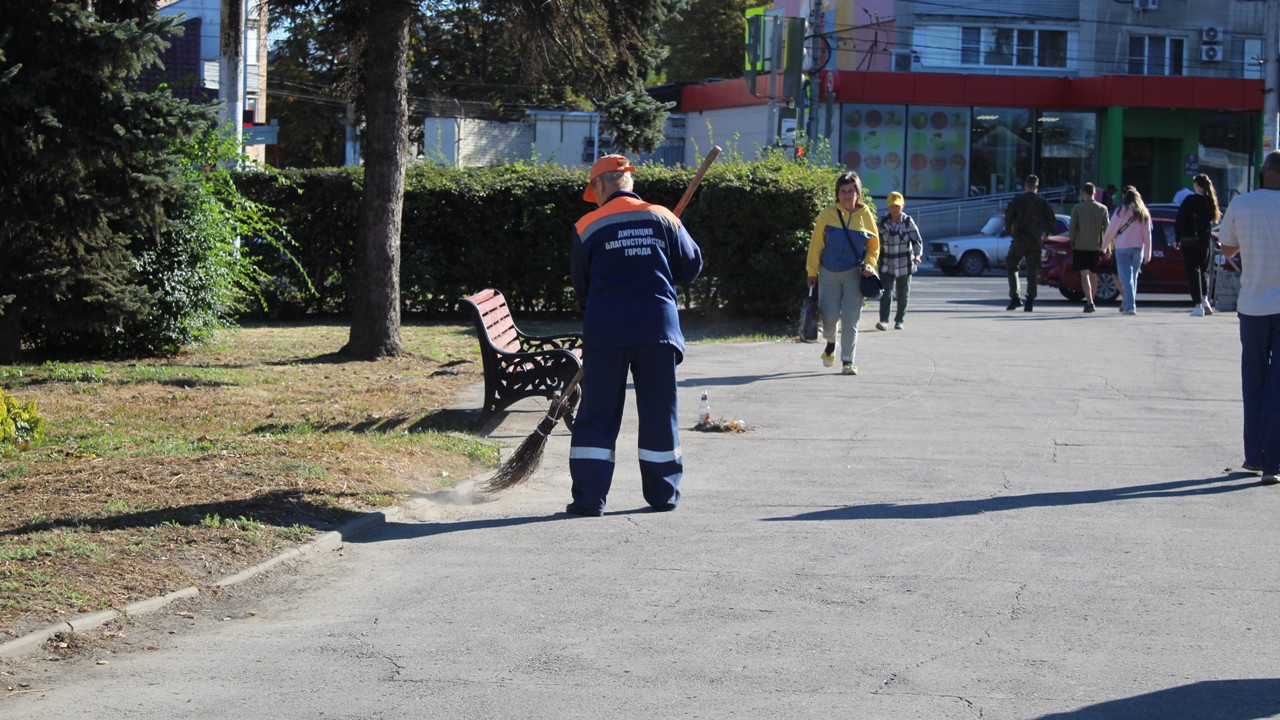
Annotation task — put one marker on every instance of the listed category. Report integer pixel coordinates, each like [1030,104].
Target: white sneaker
[881,326]
[1198,312]
[1208,309]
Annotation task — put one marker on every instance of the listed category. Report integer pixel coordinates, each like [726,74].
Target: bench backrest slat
[498,324]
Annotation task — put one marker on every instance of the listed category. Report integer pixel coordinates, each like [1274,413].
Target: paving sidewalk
[1005,515]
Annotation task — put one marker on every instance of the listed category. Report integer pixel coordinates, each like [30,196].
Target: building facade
[978,95]
[192,63]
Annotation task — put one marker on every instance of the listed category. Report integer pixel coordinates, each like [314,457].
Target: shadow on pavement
[958,508]
[1210,699]
[746,379]
[413,531]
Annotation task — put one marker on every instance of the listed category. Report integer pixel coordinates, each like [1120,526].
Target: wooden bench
[517,365]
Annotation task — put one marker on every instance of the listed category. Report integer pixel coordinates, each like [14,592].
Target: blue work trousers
[595,432]
[1260,386]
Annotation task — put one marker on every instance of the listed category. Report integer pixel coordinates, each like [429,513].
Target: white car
[986,250]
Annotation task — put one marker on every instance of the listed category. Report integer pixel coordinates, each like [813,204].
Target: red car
[1164,274]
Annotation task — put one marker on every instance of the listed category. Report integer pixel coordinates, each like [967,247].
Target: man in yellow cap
[900,251]
[627,257]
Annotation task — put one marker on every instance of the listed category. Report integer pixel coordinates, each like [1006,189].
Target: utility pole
[1271,78]
[775,69]
[815,65]
[231,67]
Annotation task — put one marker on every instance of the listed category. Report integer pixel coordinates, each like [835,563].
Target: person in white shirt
[1249,229]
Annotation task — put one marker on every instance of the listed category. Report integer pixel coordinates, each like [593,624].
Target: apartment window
[999,46]
[1155,55]
[971,46]
[1017,47]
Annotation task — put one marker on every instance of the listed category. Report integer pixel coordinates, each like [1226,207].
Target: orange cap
[606,164]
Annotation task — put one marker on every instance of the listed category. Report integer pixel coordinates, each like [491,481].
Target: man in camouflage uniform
[1028,220]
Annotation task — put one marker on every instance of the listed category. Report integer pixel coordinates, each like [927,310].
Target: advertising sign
[872,142]
[937,154]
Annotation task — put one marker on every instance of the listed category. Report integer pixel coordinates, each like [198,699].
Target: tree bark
[10,334]
[375,314]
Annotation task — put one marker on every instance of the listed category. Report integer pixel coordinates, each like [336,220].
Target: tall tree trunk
[375,316]
[10,334]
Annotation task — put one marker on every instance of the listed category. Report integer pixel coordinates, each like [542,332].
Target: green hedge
[508,227]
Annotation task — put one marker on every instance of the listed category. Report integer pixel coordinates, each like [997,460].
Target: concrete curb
[32,641]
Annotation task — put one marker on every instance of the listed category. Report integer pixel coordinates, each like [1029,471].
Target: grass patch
[160,474]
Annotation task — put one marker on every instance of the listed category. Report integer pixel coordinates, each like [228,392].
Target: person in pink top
[1129,237]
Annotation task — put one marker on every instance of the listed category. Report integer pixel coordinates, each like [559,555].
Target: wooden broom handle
[680,206]
[697,178]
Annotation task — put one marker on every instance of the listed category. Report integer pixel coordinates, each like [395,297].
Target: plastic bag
[809,318]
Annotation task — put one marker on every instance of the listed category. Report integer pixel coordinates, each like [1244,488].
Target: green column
[1111,146]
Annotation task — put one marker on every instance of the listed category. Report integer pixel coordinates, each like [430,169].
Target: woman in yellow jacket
[845,245]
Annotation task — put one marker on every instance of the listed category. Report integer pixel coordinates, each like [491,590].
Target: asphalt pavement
[1004,515]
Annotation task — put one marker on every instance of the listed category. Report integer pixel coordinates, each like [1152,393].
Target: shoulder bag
[870,285]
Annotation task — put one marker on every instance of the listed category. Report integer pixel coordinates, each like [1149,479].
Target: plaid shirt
[899,242]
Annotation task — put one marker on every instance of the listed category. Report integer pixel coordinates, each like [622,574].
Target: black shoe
[583,511]
[1089,308]
[1030,304]
[1251,468]
[1271,479]
[664,507]
[1014,304]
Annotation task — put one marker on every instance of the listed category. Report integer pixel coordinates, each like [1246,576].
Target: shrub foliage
[21,425]
[508,227]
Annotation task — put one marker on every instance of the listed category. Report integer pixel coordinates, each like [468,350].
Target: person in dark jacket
[1196,216]
[627,257]
[1028,220]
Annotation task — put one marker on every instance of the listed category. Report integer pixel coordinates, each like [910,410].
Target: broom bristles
[524,462]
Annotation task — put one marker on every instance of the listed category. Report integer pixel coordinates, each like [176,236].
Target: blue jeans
[1128,265]
[1260,387]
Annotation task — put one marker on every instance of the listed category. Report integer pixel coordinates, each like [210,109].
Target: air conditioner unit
[1211,34]
[905,60]
[1146,4]
[1210,53]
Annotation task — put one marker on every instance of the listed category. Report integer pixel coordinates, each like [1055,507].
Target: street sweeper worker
[626,259]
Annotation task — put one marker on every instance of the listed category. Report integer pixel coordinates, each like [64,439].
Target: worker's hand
[915,259]
[868,271]
[812,281]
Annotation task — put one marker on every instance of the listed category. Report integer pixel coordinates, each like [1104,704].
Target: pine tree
[87,161]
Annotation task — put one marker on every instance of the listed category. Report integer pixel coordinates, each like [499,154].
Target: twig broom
[524,462]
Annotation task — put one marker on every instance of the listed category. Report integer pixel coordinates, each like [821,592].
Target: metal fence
[948,218]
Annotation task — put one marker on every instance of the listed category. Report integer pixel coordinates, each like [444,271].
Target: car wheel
[973,263]
[1107,290]
[951,270]
[1072,295]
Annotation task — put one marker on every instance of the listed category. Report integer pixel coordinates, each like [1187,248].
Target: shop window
[1067,146]
[1000,150]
